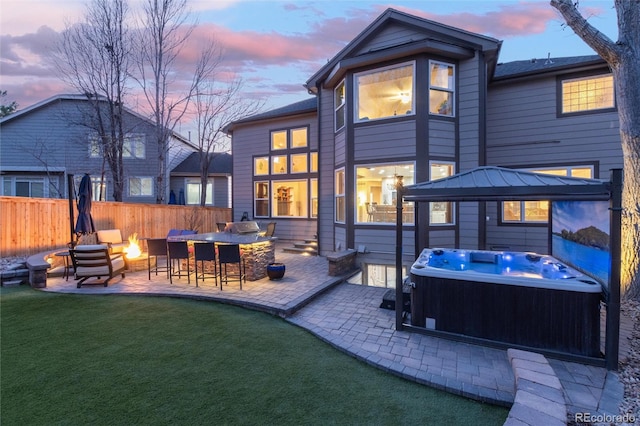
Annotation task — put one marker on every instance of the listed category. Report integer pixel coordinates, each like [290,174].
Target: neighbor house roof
[79,97]
[220,163]
[497,183]
[535,66]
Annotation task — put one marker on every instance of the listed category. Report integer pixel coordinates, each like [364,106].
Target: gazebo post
[612,332]
[399,293]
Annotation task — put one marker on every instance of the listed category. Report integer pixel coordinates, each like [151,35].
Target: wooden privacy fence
[32,225]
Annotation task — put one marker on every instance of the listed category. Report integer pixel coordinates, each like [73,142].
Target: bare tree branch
[93,56]
[598,41]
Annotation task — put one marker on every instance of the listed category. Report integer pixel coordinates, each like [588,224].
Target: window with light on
[588,94]
[538,211]
[376,193]
[441,213]
[385,93]
[441,88]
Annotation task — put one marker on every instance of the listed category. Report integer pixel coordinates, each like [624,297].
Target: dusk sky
[275,46]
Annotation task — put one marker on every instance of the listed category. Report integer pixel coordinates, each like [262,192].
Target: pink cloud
[510,20]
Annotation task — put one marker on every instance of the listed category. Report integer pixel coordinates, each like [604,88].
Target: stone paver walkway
[348,317]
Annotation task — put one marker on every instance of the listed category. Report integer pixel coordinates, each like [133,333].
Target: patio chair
[205,252]
[157,247]
[230,254]
[178,251]
[113,239]
[96,261]
[271,227]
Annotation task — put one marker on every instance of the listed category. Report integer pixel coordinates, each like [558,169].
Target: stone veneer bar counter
[257,251]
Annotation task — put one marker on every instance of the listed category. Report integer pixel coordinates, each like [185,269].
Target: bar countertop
[222,237]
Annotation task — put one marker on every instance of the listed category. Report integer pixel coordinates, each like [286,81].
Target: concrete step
[308,251]
[308,246]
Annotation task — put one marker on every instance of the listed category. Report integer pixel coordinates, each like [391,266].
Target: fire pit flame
[133,250]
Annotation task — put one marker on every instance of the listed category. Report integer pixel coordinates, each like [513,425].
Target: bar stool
[205,252]
[178,251]
[157,247]
[230,254]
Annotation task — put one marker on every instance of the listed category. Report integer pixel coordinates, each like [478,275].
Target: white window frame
[367,207]
[272,135]
[586,94]
[523,211]
[134,146]
[443,89]
[388,272]
[340,106]
[96,182]
[294,201]
[293,131]
[340,204]
[265,198]
[196,182]
[295,158]
[260,163]
[10,182]
[141,179]
[400,96]
[313,198]
[432,205]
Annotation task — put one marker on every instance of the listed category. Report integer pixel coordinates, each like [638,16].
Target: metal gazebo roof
[497,183]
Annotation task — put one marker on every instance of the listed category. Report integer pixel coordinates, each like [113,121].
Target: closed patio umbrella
[85,225]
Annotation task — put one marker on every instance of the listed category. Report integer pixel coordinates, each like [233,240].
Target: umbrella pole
[71,197]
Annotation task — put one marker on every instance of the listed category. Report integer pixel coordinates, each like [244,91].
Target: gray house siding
[442,140]
[385,141]
[471,97]
[525,131]
[332,152]
[392,35]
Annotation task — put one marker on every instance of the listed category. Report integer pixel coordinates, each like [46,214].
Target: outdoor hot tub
[517,298]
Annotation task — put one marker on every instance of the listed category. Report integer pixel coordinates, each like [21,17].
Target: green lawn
[123,360]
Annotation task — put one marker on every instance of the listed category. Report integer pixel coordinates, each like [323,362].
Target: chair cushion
[112,236]
[89,247]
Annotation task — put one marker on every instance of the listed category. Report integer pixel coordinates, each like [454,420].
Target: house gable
[396,34]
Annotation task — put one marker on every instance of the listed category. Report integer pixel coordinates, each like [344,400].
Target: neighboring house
[422,100]
[42,144]
[185,179]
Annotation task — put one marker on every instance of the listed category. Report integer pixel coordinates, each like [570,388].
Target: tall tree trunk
[623,57]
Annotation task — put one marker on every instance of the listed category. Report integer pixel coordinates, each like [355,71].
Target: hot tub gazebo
[501,184]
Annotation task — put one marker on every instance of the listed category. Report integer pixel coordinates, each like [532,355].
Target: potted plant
[275,270]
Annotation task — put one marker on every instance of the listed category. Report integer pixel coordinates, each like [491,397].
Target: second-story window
[340,101]
[385,92]
[587,94]
[133,146]
[441,88]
